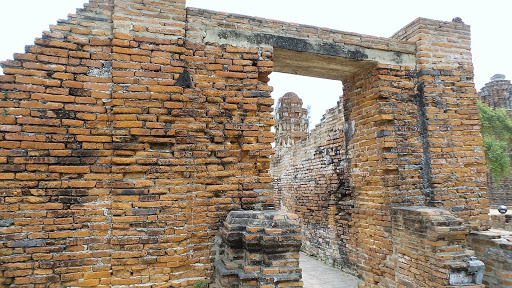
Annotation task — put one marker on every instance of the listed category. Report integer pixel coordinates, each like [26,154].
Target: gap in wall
[320,94]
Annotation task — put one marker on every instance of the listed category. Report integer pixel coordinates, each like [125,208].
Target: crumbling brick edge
[430,249]
[259,249]
[494,247]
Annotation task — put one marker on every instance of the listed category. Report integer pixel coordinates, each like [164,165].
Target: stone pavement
[316,274]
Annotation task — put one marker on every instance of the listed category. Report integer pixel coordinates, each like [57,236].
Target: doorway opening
[317,94]
[309,165]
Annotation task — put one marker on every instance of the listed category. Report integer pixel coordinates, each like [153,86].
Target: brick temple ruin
[136,144]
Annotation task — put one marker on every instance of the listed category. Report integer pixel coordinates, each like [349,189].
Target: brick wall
[495,249]
[116,169]
[129,133]
[500,192]
[431,250]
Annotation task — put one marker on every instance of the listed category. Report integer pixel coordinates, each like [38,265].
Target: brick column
[453,162]
[383,149]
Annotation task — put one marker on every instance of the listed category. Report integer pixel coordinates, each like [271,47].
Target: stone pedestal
[259,249]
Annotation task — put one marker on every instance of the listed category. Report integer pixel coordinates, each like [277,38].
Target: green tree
[497,134]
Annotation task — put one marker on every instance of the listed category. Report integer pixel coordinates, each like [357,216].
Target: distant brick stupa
[497,93]
[291,120]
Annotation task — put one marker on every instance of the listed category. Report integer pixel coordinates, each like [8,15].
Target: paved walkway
[316,274]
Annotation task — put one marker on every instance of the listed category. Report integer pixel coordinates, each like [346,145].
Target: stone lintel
[324,59]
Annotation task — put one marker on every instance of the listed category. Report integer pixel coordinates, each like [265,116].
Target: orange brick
[85,138]
[69,169]
[53,98]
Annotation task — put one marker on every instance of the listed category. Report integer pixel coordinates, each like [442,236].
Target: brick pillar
[382,145]
[453,162]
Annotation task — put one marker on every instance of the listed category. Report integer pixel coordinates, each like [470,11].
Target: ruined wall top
[497,93]
[257,24]
[330,54]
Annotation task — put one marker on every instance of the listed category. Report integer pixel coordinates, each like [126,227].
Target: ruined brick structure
[495,250]
[259,249]
[500,191]
[292,121]
[498,94]
[404,135]
[135,145]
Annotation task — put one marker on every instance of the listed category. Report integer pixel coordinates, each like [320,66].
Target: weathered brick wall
[133,128]
[500,191]
[494,248]
[116,171]
[431,249]
[456,175]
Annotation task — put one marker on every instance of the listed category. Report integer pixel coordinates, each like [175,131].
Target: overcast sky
[491,23]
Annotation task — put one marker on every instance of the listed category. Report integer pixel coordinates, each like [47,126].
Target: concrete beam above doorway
[311,57]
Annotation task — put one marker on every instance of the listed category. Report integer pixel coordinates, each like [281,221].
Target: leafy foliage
[200,284]
[497,134]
